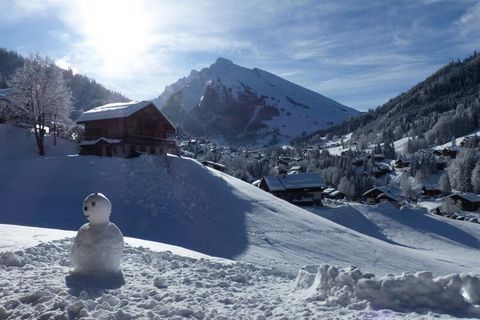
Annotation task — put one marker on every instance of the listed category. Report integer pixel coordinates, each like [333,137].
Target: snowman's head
[97,208]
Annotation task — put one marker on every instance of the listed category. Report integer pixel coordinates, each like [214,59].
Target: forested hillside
[86,92]
[443,106]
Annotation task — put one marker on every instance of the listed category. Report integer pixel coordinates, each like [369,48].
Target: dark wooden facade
[467,203]
[145,131]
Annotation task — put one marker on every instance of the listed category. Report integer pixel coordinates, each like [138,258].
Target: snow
[97,248]
[202,213]
[165,285]
[93,142]
[19,143]
[457,141]
[17,238]
[183,203]
[294,181]
[113,110]
[456,294]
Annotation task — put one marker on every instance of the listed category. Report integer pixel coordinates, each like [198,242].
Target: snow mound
[454,294]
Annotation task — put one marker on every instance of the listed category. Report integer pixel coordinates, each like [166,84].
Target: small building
[338,195]
[302,188]
[376,194]
[327,191]
[467,201]
[389,197]
[215,165]
[431,191]
[126,129]
[450,152]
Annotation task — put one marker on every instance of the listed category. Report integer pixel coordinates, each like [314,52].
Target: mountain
[86,92]
[247,105]
[443,106]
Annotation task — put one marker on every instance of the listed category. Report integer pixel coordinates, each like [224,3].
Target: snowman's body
[98,247]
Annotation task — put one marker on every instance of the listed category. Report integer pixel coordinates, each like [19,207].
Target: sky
[360,53]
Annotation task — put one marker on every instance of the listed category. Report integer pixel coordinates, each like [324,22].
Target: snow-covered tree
[347,187]
[40,95]
[460,170]
[476,178]
[444,183]
[450,206]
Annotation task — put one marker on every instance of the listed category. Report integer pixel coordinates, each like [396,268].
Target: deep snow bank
[455,294]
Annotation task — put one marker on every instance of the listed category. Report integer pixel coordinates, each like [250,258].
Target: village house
[379,194]
[431,191]
[450,152]
[467,201]
[302,188]
[126,129]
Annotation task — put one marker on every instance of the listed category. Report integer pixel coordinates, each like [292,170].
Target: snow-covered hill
[240,104]
[181,202]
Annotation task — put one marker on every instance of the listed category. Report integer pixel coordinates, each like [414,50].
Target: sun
[118,32]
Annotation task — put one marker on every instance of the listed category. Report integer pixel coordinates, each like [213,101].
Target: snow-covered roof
[294,181]
[113,111]
[328,190]
[334,193]
[391,196]
[93,142]
[383,189]
[472,197]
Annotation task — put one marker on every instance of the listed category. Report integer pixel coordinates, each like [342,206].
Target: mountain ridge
[241,104]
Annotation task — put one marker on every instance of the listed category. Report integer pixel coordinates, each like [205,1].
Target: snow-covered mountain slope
[179,284]
[180,202]
[19,143]
[241,104]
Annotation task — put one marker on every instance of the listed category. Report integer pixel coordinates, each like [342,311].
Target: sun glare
[117,31]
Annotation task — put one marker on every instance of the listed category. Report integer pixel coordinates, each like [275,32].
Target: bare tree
[40,95]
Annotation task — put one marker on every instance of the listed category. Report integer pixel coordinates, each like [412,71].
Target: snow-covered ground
[18,143]
[181,202]
[167,285]
[197,213]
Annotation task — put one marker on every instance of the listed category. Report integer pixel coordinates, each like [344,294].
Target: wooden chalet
[467,201]
[302,188]
[430,191]
[126,129]
[377,194]
[450,152]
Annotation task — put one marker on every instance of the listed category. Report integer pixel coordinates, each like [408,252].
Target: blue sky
[360,53]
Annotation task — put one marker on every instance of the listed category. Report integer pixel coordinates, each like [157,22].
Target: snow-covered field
[165,285]
[207,219]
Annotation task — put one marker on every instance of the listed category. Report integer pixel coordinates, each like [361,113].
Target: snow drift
[455,294]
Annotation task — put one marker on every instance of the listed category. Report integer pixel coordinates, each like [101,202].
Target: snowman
[97,248]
